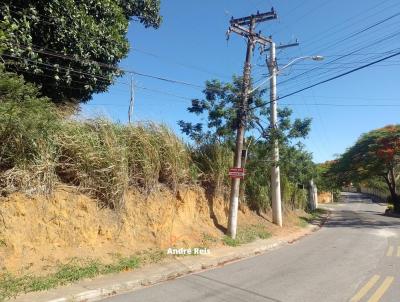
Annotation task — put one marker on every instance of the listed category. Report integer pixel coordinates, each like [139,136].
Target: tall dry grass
[99,157]
[105,159]
[213,160]
[27,149]
[92,157]
[40,147]
[155,155]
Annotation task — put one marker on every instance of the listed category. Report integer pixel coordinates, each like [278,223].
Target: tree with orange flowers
[375,154]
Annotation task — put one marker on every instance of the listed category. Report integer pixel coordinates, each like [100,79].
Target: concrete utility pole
[275,173]
[239,26]
[313,192]
[132,100]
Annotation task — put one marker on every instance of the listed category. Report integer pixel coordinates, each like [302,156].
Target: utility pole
[239,26]
[313,195]
[132,100]
[275,173]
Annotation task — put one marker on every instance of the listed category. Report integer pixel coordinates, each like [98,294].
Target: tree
[375,154]
[27,123]
[297,168]
[325,179]
[71,48]
[219,110]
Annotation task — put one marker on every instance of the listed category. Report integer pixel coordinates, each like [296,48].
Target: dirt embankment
[37,234]
[325,197]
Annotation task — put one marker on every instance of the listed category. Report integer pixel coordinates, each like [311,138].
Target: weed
[207,238]
[230,241]
[247,234]
[313,215]
[11,286]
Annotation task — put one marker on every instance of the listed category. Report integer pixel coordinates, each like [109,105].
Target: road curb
[110,285]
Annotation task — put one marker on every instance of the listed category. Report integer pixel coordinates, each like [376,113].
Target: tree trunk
[391,182]
[396,203]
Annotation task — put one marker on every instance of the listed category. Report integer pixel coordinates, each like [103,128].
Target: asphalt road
[354,257]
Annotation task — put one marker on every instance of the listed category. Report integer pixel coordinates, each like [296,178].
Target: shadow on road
[362,219]
[238,288]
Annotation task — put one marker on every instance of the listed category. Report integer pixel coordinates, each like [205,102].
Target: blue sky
[191,46]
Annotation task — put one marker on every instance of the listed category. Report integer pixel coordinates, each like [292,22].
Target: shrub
[28,125]
[213,160]
[40,148]
[155,155]
[93,158]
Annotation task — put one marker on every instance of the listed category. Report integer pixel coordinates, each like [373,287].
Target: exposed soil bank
[37,234]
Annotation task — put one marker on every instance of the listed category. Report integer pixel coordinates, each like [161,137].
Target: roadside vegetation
[76,269]
[373,162]
[43,146]
[41,149]
[312,217]
[247,234]
[84,42]
[213,144]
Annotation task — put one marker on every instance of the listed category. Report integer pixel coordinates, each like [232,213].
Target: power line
[355,97]
[180,63]
[335,55]
[345,105]
[326,72]
[346,55]
[125,83]
[135,49]
[68,69]
[138,50]
[185,83]
[340,75]
[317,38]
[328,80]
[314,8]
[353,20]
[67,57]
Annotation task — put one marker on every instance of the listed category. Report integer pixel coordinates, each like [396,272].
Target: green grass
[313,215]
[11,286]
[247,234]
[209,239]
[303,222]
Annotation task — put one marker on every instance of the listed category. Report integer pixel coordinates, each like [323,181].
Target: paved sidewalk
[105,286]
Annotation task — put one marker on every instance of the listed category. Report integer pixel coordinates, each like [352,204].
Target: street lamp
[275,172]
[314,58]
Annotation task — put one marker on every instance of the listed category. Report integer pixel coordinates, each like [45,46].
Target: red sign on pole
[236,172]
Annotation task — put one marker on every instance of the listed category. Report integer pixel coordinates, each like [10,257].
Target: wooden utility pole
[131,102]
[245,27]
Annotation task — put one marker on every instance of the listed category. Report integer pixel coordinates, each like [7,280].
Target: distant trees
[326,180]
[375,154]
[70,48]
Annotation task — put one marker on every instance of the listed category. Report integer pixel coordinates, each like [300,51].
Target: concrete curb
[110,285]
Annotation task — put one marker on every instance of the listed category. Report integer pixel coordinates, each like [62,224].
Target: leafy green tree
[375,154]
[325,179]
[71,48]
[218,109]
[27,123]
[297,168]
